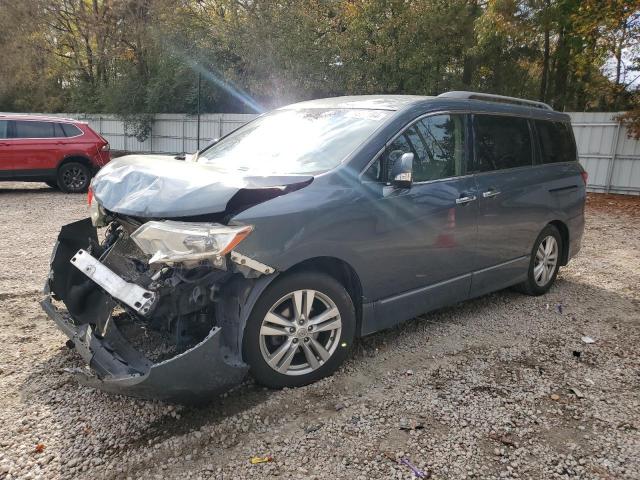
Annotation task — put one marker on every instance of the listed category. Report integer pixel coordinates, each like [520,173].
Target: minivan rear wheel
[74,177]
[544,263]
[299,331]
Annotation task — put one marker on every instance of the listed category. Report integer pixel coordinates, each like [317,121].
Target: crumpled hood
[157,186]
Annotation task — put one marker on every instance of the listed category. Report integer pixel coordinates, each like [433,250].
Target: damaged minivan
[275,247]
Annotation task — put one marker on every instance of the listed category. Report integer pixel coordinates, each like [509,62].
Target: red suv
[61,152]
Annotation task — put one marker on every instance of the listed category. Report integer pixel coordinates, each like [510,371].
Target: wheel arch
[342,272]
[78,159]
[564,235]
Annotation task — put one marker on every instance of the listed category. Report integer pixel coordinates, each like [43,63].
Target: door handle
[490,193]
[465,200]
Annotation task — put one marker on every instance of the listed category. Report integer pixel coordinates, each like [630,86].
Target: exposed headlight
[173,242]
[97,213]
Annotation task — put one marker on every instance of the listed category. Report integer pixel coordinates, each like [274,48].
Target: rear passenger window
[70,130]
[556,142]
[4,124]
[26,129]
[501,142]
[437,143]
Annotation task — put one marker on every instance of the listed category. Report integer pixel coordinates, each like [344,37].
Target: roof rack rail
[487,97]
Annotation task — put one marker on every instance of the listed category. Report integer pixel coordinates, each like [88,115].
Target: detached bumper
[197,374]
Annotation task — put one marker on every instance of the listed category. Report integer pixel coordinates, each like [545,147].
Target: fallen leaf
[256,460]
[40,447]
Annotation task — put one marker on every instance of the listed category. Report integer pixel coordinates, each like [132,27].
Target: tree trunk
[468,63]
[545,67]
[563,56]
[545,59]
[618,54]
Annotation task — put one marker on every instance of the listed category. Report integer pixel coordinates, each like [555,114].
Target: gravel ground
[498,387]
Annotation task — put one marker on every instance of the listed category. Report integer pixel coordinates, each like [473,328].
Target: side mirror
[402,171]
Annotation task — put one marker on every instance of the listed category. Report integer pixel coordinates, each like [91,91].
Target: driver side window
[438,146]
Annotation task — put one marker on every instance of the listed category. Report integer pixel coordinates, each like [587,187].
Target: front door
[425,239]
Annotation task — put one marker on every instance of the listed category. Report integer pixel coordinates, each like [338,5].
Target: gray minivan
[316,223]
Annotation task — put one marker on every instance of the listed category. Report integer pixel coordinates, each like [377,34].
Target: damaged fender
[210,366]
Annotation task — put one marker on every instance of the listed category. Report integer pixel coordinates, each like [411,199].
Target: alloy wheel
[74,178]
[300,332]
[546,261]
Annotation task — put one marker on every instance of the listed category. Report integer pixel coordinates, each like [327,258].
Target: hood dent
[161,187]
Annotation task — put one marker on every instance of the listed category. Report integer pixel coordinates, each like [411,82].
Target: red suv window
[24,129]
[70,130]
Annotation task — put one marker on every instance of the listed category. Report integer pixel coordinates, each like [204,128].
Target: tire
[538,283]
[289,344]
[52,184]
[74,177]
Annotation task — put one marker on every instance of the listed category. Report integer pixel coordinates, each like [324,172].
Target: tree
[139,57]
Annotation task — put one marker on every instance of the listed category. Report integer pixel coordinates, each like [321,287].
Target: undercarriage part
[187,348]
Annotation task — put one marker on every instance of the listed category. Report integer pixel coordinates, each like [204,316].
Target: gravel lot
[498,387]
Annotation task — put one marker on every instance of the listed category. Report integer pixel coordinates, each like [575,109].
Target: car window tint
[4,124]
[556,142]
[379,170]
[438,146]
[394,151]
[57,129]
[417,143]
[70,130]
[28,129]
[444,138]
[501,142]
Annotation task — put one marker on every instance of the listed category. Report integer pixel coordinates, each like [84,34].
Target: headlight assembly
[175,242]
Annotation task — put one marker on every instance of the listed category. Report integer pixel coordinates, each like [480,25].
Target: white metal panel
[595,134]
[611,158]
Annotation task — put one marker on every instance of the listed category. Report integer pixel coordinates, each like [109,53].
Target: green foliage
[139,57]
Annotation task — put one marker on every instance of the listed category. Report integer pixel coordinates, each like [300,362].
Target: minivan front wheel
[74,177]
[299,331]
[544,263]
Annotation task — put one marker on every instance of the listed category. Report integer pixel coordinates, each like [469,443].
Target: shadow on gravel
[13,191]
[50,387]
[30,188]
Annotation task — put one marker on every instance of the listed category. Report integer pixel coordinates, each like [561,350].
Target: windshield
[294,141]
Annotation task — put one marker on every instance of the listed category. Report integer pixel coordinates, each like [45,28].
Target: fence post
[220,129]
[151,133]
[614,153]
[183,134]
[124,129]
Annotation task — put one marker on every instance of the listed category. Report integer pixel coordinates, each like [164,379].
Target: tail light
[585,176]
[89,196]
